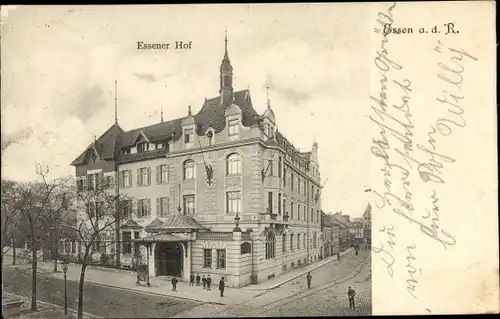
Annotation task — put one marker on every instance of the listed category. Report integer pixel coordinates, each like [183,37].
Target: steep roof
[174,222]
[212,114]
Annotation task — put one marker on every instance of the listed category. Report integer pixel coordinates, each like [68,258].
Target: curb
[298,275]
[126,289]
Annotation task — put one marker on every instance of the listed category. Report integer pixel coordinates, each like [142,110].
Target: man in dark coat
[309,278]
[209,282]
[191,280]
[221,287]
[338,255]
[174,284]
[204,280]
[198,279]
[350,294]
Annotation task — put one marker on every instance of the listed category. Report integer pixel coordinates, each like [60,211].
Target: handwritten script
[405,160]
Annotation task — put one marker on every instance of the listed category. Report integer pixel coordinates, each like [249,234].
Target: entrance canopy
[160,238]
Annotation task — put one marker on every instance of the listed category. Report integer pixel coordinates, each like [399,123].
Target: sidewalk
[283,279]
[123,279]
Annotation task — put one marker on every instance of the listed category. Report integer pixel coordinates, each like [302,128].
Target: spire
[116,105]
[161,114]
[189,110]
[268,100]
[226,76]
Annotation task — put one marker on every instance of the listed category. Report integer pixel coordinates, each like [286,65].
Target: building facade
[367,226]
[219,192]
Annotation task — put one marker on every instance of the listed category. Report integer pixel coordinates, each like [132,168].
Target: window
[162,206]
[246,248]
[108,183]
[291,242]
[280,166]
[136,235]
[125,179]
[283,243]
[188,135]
[144,207]
[189,205]
[189,169]
[221,259]
[67,246]
[125,151]
[279,204]
[270,168]
[298,241]
[312,214]
[127,242]
[291,180]
[91,181]
[304,240]
[73,247]
[234,164]
[312,191]
[207,258]
[234,202]
[161,174]
[314,240]
[298,211]
[270,201]
[270,245]
[233,127]
[91,209]
[142,147]
[284,207]
[291,210]
[298,184]
[126,209]
[284,177]
[144,176]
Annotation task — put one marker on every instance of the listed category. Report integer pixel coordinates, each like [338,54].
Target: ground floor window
[221,258]
[127,242]
[207,258]
[270,245]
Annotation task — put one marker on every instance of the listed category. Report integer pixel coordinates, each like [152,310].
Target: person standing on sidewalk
[350,294]
[338,255]
[198,278]
[309,278]
[191,280]
[221,287]
[204,280]
[209,282]
[174,284]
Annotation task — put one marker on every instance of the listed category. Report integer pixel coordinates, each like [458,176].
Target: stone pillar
[152,255]
[186,254]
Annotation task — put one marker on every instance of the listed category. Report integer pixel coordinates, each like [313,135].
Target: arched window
[270,245]
[283,244]
[189,169]
[298,241]
[291,242]
[304,240]
[234,164]
[246,248]
[314,240]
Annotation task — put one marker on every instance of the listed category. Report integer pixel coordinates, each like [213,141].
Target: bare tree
[10,212]
[99,212]
[34,199]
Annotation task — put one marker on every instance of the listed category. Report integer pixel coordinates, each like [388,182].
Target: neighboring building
[331,235]
[367,226]
[220,192]
[357,233]
[358,220]
[343,230]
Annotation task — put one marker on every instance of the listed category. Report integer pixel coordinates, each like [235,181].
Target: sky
[59,64]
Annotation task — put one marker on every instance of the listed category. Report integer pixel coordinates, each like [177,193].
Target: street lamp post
[65,265]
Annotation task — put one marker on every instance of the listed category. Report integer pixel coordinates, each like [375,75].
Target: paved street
[328,296]
[99,300]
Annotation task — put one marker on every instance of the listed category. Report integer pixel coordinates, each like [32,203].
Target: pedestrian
[221,287]
[209,282]
[356,251]
[174,284]
[204,280]
[198,278]
[350,294]
[191,280]
[338,255]
[309,278]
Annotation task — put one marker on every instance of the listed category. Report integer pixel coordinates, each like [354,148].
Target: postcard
[249,160]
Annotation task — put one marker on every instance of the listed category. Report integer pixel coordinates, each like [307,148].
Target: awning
[160,238]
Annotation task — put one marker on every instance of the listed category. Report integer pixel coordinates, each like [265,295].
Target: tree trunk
[55,263]
[80,290]
[13,251]
[33,277]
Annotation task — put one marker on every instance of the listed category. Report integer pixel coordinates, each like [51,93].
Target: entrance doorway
[168,259]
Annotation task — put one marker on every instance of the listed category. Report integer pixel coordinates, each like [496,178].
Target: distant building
[367,226]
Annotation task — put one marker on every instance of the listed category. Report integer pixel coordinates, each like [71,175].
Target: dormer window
[188,135]
[125,151]
[233,127]
[142,147]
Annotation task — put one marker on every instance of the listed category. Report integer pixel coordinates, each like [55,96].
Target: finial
[237,223]
[225,47]
[161,113]
[189,110]
[95,139]
[116,105]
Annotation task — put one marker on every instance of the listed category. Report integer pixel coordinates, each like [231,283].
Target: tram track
[356,270]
